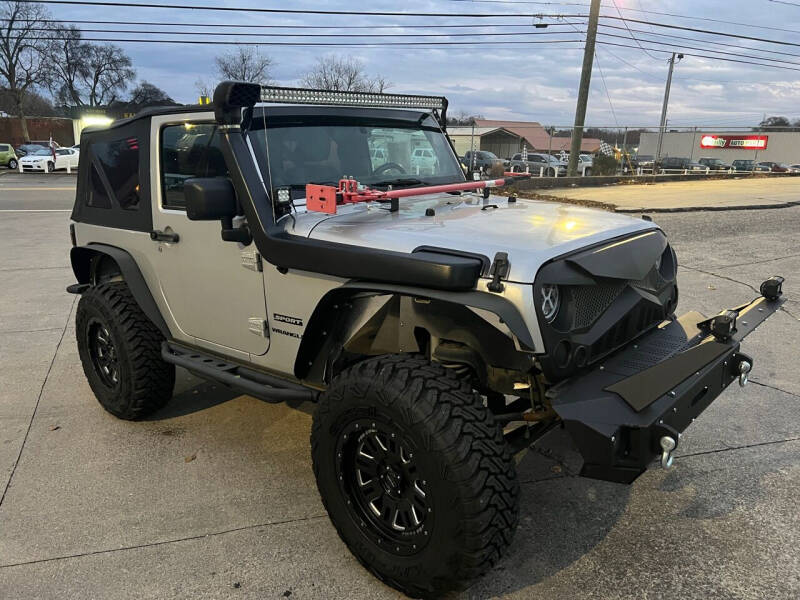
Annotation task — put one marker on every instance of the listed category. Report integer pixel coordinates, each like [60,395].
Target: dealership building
[772,146]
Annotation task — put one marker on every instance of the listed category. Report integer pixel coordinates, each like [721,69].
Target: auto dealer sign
[735,142]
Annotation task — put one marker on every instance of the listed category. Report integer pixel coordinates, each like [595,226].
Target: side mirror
[212,199]
[209,199]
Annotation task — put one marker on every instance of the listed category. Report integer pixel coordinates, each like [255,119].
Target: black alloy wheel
[387,491]
[103,353]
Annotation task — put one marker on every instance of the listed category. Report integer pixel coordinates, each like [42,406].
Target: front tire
[120,350]
[50,167]
[13,164]
[414,473]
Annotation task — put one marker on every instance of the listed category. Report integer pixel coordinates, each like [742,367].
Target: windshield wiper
[398,181]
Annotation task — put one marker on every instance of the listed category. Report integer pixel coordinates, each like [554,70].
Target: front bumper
[653,389]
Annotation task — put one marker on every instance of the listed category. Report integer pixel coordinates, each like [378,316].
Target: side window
[188,150]
[3,148]
[98,196]
[118,174]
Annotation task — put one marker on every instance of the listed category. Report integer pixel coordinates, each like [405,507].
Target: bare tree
[66,68]
[23,57]
[245,63]
[343,73]
[84,74]
[109,72]
[146,94]
[203,87]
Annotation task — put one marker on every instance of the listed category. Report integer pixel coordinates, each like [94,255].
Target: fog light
[550,302]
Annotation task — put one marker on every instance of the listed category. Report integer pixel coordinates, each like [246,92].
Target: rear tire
[414,473]
[120,350]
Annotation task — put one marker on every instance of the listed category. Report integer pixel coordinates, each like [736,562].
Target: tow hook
[744,372]
[668,444]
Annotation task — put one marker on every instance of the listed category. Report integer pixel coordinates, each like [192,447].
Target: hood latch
[499,270]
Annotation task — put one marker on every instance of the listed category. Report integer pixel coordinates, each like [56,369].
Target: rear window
[118,174]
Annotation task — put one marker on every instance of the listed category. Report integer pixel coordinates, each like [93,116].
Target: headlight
[550,302]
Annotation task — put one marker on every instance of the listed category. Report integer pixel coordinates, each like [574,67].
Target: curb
[674,209]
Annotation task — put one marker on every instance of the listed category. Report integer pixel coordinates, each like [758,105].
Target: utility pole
[664,106]
[583,90]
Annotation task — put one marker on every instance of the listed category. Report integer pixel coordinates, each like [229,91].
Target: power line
[66,35]
[706,31]
[293,11]
[692,39]
[746,62]
[292,26]
[112,3]
[682,47]
[608,95]
[710,20]
[322,44]
[633,37]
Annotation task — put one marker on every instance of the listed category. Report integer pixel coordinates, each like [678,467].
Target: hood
[31,159]
[530,231]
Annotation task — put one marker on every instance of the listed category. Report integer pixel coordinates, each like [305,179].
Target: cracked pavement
[214,496]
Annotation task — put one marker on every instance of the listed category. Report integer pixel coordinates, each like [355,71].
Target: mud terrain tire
[120,350]
[424,431]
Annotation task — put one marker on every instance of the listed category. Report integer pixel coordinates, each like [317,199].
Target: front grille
[591,301]
[637,321]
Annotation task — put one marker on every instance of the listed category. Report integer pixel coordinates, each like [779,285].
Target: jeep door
[214,289]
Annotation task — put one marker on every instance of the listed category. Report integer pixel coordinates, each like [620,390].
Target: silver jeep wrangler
[288,244]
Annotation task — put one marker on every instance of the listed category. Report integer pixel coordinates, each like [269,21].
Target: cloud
[537,82]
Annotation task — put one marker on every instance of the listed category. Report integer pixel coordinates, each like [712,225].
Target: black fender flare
[81,259]
[493,303]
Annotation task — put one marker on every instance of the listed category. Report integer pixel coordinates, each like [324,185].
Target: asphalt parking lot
[214,496]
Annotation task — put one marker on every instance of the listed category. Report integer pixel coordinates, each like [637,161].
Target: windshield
[372,151]
[551,158]
[41,152]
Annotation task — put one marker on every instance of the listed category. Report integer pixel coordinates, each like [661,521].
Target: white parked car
[42,160]
[423,161]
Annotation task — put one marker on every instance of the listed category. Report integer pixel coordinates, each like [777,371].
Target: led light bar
[328,97]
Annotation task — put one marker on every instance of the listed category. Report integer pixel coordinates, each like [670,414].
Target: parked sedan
[714,164]
[42,160]
[547,164]
[643,161]
[775,167]
[678,163]
[748,166]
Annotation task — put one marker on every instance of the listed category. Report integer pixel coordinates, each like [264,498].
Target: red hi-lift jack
[326,198]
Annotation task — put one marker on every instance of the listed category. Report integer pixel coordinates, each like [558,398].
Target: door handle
[163,236]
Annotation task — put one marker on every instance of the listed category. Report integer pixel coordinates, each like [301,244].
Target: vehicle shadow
[562,518]
[201,396]
[192,395]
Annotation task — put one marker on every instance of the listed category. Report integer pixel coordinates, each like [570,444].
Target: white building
[774,146]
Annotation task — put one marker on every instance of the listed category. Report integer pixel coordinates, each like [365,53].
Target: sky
[536,82]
